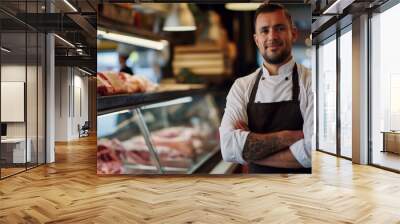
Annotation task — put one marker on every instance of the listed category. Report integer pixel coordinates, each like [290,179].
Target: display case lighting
[182,100]
[133,40]
[113,113]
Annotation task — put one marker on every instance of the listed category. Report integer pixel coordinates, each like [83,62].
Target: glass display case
[157,133]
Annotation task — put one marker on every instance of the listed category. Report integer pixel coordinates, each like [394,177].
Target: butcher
[268,119]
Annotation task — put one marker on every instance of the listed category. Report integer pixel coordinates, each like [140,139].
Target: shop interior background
[216,48]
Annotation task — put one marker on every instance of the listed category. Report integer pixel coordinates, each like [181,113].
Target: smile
[273,46]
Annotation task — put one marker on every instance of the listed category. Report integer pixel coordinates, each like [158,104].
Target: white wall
[80,110]
[61,103]
[71,94]
[33,127]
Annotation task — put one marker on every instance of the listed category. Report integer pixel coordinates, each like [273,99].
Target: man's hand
[260,146]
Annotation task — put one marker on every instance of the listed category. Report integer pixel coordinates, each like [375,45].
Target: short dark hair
[271,7]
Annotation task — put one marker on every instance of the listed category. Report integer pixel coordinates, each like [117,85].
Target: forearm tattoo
[260,146]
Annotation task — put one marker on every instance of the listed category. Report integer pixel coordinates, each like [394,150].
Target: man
[268,119]
[124,51]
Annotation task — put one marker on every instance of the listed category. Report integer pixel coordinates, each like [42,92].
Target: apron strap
[255,87]
[296,86]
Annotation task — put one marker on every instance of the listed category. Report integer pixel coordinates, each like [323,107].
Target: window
[385,88]
[22,77]
[346,76]
[327,96]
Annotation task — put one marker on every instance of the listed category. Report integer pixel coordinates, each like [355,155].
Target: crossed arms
[280,149]
[270,149]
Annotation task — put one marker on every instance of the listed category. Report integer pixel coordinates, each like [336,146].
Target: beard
[276,58]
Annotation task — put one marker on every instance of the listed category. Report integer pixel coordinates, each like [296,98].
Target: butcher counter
[173,130]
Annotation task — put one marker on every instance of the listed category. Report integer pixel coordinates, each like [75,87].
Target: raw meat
[112,154]
[182,141]
[108,157]
[103,85]
[110,83]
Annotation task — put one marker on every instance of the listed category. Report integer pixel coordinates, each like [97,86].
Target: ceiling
[19,18]
[330,16]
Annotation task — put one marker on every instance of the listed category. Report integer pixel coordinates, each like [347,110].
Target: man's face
[274,36]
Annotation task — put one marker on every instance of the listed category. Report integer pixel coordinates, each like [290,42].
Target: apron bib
[273,117]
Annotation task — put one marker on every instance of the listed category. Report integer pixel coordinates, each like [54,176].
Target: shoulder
[244,83]
[240,90]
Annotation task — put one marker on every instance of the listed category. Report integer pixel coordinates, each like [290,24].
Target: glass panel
[327,96]
[314,89]
[112,154]
[23,57]
[41,99]
[13,86]
[32,9]
[184,133]
[346,94]
[31,98]
[385,84]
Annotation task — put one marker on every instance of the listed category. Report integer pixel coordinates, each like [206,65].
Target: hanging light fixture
[242,6]
[180,19]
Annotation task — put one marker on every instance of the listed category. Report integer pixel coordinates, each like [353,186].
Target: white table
[18,150]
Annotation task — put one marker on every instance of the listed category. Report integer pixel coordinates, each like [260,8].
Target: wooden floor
[10,171]
[70,192]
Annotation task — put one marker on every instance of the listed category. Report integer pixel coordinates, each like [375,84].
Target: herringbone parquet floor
[69,191]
